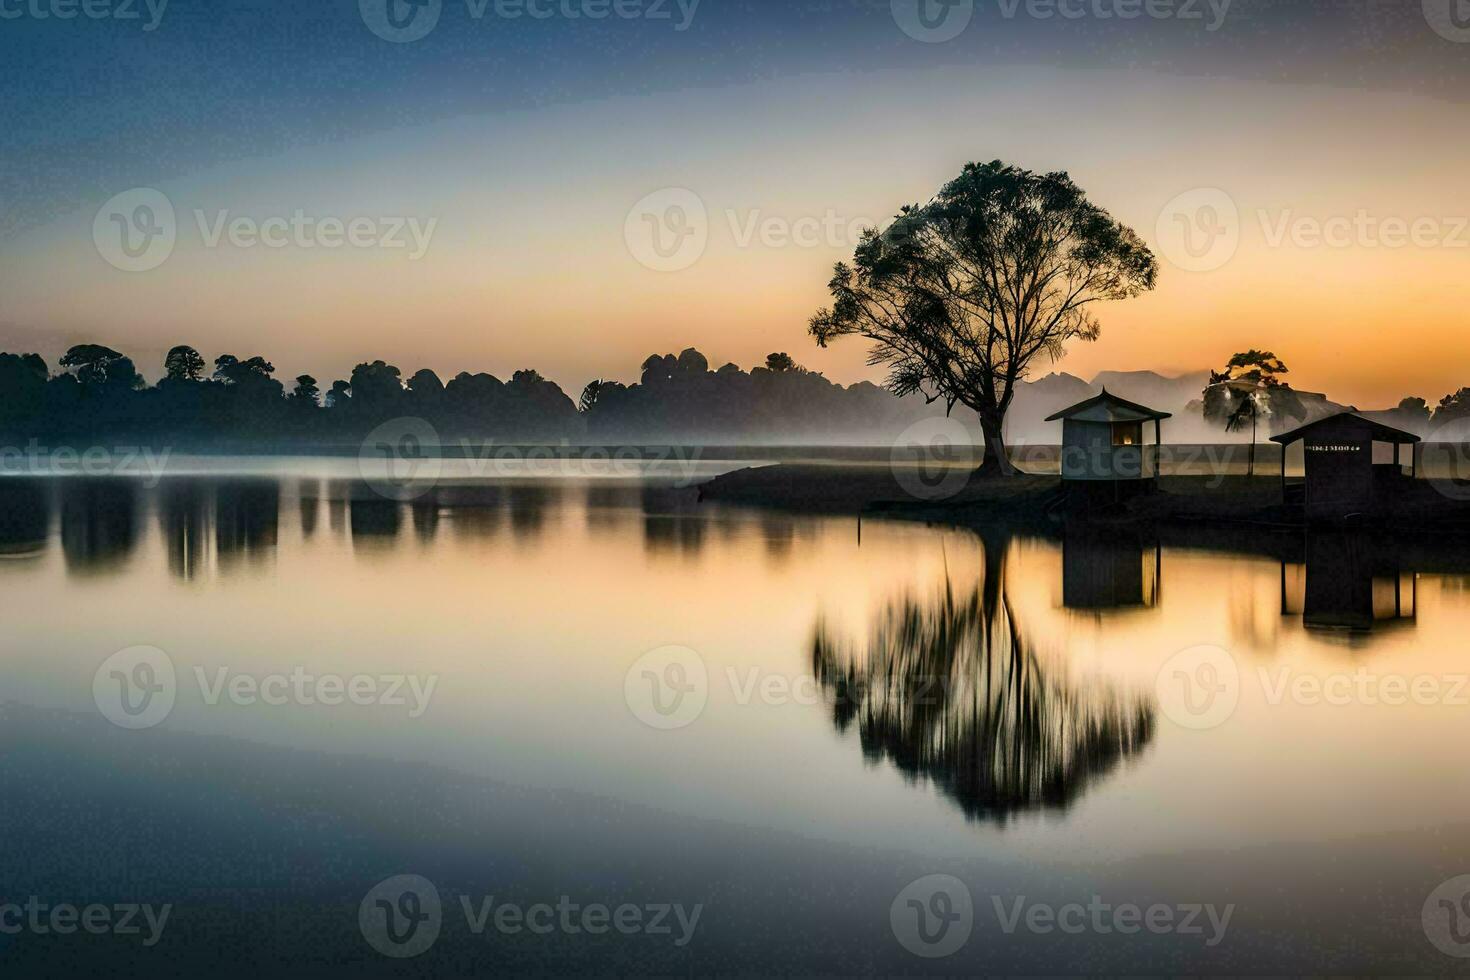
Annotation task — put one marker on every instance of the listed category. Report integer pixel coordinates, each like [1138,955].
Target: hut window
[1127,433]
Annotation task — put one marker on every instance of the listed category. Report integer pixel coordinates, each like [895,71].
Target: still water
[604,692]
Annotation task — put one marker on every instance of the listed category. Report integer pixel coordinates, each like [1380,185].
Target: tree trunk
[1250,466]
[995,462]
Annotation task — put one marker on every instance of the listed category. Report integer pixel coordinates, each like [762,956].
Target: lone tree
[960,295]
[1249,387]
[183,363]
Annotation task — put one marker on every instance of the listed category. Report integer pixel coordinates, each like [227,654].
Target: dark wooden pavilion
[1341,479]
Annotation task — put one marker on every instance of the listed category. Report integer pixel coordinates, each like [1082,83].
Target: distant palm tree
[1249,386]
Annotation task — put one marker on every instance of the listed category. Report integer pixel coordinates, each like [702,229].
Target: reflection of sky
[529,140]
[529,608]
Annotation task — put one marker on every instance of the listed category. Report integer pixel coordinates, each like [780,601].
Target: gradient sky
[528,142]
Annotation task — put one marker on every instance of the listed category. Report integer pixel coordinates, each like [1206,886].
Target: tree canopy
[962,294]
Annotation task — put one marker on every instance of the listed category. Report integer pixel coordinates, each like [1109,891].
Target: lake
[579,721]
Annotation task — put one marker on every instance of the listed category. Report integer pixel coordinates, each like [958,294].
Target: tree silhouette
[306,393]
[780,363]
[960,295]
[680,401]
[93,364]
[590,394]
[1250,386]
[183,363]
[1453,407]
[340,395]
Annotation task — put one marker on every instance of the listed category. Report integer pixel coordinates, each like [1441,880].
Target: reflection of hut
[1348,584]
[1342,480]
[1103,442]
[1108,572]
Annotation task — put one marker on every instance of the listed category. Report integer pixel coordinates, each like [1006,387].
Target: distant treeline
[96,394]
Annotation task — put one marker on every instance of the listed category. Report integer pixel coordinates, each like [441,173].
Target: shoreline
[1234,513]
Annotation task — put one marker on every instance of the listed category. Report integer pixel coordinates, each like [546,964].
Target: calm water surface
[882,703]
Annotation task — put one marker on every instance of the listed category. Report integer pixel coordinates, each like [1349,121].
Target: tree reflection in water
[949,690]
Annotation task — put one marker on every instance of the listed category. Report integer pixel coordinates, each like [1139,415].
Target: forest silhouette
[97,395]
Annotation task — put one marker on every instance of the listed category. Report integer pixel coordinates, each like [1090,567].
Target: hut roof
[1349,422]
[1108,407]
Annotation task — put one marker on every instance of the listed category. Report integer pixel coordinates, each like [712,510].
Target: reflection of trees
[25,512]
[247,518]
[99,522]
[529,504]
[950,691]
[373,518]
[426,518]
[183,516]
[309,506]
[672,521]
